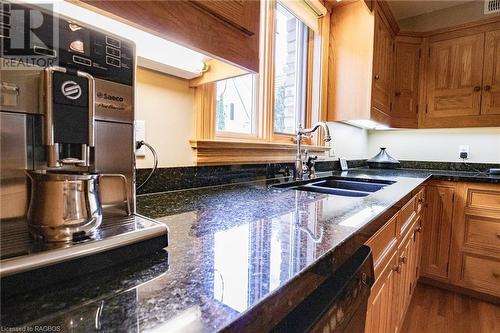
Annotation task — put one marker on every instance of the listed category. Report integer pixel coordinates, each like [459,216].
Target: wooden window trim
[213,152]
[264,146]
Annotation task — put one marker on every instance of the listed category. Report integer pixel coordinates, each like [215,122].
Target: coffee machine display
[67,147]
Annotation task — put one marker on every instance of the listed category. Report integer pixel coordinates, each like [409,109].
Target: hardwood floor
[437,310]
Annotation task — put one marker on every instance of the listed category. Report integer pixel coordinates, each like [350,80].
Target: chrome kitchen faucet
[299,164]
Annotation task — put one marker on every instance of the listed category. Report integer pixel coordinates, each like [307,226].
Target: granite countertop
[236,254]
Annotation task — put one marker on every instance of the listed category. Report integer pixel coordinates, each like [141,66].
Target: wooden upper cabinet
[491,74]
[226,30]
[406,84]
[437,227]
[238,13]
[455,75]
[360,63]
[383,53]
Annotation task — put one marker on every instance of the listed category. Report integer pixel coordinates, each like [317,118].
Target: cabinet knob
[377,77]
[487,88]
[498,236]
[397,268]
[418,229]
[397,93]
[403,259]
[496,275]
[477,88]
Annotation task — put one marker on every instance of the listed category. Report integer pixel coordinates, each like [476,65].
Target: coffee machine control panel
[74,46]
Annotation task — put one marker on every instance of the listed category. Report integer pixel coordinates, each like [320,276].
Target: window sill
[213,152]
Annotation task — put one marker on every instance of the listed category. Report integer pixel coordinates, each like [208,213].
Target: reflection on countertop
[239,256]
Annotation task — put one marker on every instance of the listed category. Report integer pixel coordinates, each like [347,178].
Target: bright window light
[152,51]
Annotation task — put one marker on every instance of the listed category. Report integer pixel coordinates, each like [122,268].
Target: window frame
[264,142]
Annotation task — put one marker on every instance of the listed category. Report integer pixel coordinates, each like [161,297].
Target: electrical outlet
[140,134]
[464,151]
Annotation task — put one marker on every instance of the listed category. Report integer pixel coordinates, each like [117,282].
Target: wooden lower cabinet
[475,250]
[398,266]
[404,280]
[380,304]
[437,228]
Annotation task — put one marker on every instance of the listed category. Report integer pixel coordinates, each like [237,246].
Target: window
[290,67]
[244,117]
[234,105]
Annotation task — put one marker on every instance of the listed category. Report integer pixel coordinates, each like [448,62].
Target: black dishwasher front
[339,304]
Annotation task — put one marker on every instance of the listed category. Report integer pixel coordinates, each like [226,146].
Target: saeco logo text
[109,97]
[71,90]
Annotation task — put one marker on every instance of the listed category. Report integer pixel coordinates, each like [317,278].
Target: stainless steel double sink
[342,186]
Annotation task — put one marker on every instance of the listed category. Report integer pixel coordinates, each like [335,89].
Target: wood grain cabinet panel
[381,307]
[403,280]
[406,81]
[383,53]
[227,30]
[475,250]
[481,273]
[491,74]
[382,243]
[455,77]
[437,228]
[238,13]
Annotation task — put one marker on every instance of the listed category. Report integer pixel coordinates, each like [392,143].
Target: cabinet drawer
[483,196]
[482,231]
[420,200]
[407,215]
[381,244]
[481,273]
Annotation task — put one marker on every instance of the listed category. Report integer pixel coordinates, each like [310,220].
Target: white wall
[166,103]
[348,141]
[438,144]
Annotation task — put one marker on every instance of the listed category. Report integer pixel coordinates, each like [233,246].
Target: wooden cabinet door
[491,74]
[404,108]
[380,304]
[403,280]
[455,77]
[241,14]
[383,51]
[225,30]
[437,231]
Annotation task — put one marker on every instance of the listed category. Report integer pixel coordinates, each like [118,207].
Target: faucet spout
[299,165]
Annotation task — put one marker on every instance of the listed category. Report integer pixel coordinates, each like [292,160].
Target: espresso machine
[67,148]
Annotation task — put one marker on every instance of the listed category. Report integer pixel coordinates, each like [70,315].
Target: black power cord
[138,145]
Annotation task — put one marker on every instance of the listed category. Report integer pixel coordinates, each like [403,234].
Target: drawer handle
[496,275]
[477,88]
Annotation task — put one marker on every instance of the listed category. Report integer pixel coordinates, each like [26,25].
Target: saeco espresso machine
[67,148]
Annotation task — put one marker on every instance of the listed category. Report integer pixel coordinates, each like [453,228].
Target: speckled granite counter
[240,256]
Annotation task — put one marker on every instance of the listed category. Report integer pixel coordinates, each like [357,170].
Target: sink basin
[350,185]
[346,187]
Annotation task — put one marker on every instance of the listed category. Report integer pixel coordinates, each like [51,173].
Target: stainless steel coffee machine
[67,142]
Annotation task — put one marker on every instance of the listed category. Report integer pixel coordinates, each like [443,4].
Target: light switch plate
[140,134]
[343,164]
